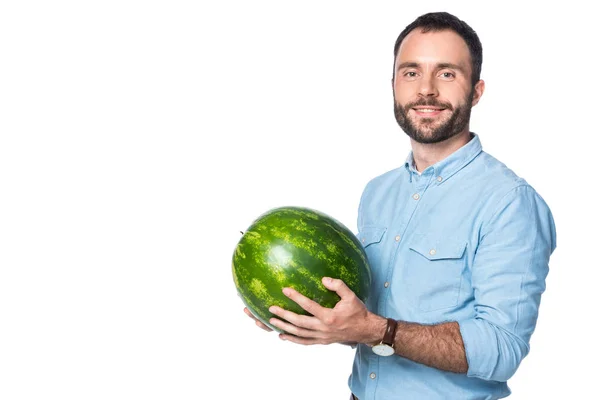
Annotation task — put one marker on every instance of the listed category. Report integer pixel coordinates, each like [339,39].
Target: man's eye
[410,74]
[447,75]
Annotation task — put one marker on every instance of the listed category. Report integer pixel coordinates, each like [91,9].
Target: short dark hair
[441,21]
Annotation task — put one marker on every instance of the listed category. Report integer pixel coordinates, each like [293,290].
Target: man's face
[433,94]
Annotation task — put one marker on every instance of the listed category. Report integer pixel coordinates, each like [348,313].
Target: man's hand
[348,322]
[256,321]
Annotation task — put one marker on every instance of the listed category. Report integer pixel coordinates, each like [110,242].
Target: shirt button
[439,178]
[363,240]
[386,284]
[432,252]
[397,238]
[372,375]
[416,196]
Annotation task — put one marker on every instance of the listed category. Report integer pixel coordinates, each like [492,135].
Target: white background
[138,138]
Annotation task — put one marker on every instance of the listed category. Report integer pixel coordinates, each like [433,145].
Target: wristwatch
[386,346]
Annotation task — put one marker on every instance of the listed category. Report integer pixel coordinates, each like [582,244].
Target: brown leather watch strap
[390,332]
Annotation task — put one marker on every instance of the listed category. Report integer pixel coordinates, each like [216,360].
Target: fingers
[301,321]
[301,340]
[256,321]
[307,304]
[295,330]
[263,326]
[338,286]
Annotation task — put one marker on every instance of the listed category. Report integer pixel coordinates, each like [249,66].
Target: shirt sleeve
[508,277]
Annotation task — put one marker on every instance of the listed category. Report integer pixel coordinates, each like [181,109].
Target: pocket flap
[437,249]
[370,235]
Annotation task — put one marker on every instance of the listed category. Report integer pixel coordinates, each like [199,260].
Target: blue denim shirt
[466,240]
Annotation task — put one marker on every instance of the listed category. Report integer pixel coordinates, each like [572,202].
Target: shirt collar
[450,165]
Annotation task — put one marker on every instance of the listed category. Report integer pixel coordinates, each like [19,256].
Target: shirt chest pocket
[370,237]
[432,275]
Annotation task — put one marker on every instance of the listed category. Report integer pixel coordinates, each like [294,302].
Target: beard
[424,130]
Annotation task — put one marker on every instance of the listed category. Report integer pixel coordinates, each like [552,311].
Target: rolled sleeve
[508,278]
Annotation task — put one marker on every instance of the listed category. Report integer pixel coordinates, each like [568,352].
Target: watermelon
[296,247]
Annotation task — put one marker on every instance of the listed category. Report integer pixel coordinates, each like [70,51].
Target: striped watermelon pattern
[295,247]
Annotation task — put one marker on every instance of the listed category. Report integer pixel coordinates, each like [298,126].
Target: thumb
[338,286]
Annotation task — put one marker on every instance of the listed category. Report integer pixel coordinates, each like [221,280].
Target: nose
[428,88]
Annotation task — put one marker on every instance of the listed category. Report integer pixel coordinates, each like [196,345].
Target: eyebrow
[412,64]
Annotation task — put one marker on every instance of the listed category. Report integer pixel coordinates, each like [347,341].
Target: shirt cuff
[478,343]
[492,353]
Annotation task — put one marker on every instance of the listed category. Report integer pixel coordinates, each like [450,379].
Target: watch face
[383,350]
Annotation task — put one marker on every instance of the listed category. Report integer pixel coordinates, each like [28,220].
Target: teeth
[426,110]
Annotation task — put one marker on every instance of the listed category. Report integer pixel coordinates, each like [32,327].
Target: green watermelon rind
[295,247]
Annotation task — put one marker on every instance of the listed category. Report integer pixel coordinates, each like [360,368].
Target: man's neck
[426,154]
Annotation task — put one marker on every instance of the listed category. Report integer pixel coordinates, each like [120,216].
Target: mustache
[428,102]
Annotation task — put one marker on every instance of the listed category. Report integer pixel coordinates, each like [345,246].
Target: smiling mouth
[429,112]
[428,109]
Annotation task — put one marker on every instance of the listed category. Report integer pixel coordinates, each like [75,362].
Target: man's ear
[478,92]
